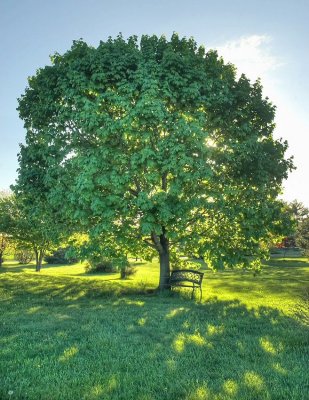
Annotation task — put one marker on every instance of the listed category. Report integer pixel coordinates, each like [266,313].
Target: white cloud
[251,55]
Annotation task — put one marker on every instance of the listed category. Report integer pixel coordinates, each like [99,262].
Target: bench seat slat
[182,285]
[184,280]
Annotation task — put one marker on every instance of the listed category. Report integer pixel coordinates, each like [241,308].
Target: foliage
[106,265]
[30,224]
[185,263]
[23,255]
[60,256]
[298,211]
[6,242]
[128,271]
[153,146]
[302,235]
[299,234]
[4,246]
[103,265]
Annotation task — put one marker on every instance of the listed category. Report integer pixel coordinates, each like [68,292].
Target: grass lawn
[67,335]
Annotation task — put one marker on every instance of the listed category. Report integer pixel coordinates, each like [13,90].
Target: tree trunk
[164,257]
[36,260]
[2,249]
[39,254]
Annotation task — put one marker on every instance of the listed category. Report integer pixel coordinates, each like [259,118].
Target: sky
[268,39]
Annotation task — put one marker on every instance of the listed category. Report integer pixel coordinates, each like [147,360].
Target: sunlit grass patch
[268,346]
[69,337]
[254,381]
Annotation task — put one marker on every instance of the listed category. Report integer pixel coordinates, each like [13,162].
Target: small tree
[298,214]
[60,256]
[298,210]
[29,226]
[4,246]
[5,242]
[152,147]
[24,255]
[302,235]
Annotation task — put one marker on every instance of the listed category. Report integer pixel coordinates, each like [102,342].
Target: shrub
[23,256]
[126,271]
[104,265]
[59,256]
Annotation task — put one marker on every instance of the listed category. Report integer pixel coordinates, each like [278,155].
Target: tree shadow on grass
[287,263]
[67,342]
[66,288]
[15,267]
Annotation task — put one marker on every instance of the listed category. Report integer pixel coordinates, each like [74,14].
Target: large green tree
[154,147]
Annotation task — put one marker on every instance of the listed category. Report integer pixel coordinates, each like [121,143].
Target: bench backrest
[189,275]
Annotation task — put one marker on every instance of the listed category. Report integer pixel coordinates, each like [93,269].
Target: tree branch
[149,244]
[138,186]
[156,242]
[134,192]
[164,181]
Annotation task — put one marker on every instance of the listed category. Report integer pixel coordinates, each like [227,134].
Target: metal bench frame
[187,278]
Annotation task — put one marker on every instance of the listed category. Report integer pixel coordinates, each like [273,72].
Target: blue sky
[265,38]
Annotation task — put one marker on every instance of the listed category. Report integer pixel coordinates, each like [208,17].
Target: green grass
[68,335]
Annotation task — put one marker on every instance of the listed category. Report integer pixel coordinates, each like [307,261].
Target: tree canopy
[154,147]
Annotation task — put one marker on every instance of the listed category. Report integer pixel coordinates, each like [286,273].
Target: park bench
[187,278]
